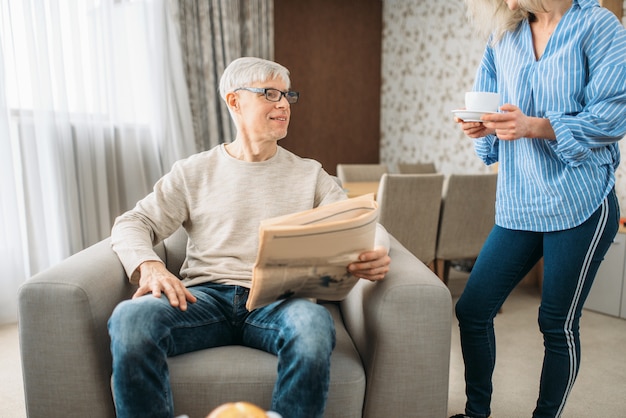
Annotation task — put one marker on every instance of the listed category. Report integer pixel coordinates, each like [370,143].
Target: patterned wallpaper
[430,54]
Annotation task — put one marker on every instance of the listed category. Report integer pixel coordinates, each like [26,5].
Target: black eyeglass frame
[291,96]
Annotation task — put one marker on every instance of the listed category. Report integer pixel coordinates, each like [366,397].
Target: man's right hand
[156,279]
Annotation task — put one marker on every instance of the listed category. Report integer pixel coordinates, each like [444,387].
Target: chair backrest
[416,168]
[409,206]
[467,215]
[360,172]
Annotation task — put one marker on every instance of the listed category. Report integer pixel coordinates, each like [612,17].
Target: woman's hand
[372,265]
[509,124]
[474,129]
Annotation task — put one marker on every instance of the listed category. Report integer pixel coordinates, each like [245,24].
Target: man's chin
[281,136]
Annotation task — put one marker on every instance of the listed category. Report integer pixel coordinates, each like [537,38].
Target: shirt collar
[585,4]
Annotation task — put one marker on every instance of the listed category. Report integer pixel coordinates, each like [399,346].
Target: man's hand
[156,279]
[372,265]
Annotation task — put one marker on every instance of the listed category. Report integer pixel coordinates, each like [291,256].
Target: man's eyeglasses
[274,95]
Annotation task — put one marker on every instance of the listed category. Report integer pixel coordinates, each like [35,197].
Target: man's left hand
[372,265]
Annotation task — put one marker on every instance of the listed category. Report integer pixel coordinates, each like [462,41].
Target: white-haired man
[219,197]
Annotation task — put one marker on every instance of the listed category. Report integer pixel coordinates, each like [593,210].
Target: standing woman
[560,69]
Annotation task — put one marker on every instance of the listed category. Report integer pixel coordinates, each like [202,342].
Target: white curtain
[94,109]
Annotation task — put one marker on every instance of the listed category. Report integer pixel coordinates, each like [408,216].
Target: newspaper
[306,254]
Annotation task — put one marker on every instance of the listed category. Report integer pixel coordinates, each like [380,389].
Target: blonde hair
[493,17]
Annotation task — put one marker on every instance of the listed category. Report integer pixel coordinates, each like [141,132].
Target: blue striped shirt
[579,84]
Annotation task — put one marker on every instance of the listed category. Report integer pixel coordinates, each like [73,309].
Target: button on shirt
[579,84]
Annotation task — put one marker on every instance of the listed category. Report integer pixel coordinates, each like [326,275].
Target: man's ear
[232,100]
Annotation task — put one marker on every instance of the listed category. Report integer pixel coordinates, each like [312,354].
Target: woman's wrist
[541,128]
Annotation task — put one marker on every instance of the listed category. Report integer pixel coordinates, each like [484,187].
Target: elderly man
[219,197]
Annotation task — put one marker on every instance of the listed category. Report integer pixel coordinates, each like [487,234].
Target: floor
[11,390]
[599,391]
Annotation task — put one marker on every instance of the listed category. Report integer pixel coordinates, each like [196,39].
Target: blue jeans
[571,260]
[145,331]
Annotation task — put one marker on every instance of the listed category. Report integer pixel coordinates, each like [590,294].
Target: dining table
[359,188]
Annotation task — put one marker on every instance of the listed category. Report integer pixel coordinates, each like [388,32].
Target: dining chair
[467,217]
[416,168]
[360,172]
[409,207]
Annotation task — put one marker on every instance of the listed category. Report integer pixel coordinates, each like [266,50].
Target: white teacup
[482,101]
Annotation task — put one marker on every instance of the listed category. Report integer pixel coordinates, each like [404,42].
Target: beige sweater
[220,201]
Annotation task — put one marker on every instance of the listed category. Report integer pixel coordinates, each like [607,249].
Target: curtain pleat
[213,33]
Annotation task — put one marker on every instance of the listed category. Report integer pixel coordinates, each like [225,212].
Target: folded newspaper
[306,254]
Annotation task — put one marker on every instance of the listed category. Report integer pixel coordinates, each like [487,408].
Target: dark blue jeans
[571,260]
[147,330]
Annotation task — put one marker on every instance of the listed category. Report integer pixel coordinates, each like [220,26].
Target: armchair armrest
[63,314]
[401,327]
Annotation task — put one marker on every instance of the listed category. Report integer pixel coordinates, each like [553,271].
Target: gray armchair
[391,359]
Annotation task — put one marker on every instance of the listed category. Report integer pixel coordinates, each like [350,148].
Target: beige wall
[429,57]
[615,6]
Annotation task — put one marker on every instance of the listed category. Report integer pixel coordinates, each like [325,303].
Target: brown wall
[333,51]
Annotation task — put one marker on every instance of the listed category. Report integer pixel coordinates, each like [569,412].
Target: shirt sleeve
[486,148]
[602,120]
[153,219]
[382,237]
[328,189]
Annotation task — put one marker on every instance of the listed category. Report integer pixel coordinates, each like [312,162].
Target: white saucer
[470,115]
